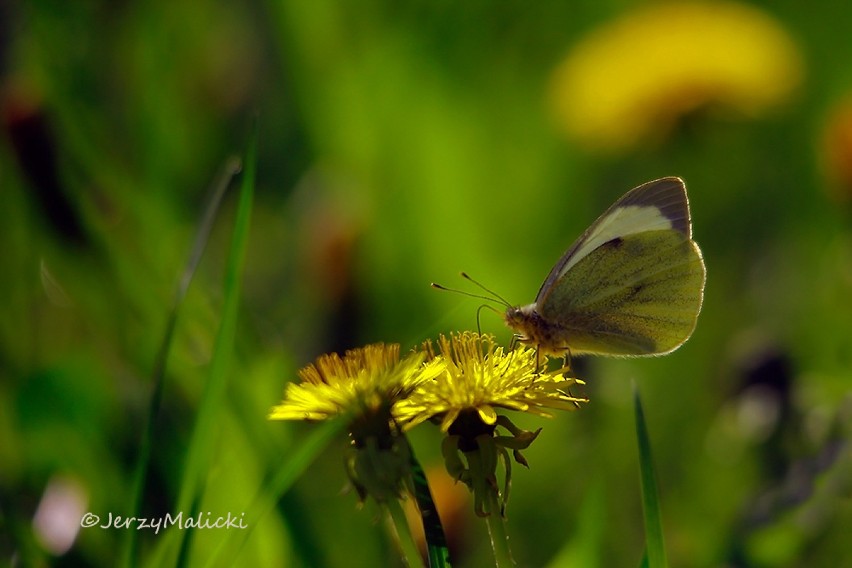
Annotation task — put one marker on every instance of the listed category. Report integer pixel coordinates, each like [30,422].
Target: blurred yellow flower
[633,78]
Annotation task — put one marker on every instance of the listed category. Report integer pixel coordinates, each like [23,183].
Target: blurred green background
[399,143]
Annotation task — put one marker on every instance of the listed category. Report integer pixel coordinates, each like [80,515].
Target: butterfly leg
[517,339]
[566,359]
[566,369]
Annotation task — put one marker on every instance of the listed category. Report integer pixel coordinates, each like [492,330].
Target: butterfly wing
[656,205]
[633,295]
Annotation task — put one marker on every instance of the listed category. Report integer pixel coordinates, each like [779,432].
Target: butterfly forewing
[656,205]
[636,294]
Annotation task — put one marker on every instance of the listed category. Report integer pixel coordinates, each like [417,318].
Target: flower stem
[497,532]
[437,552]
[409,549]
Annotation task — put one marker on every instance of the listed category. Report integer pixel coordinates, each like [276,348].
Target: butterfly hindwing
[637,294]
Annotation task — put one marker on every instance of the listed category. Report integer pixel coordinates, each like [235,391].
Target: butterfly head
[518,317]
[533,329]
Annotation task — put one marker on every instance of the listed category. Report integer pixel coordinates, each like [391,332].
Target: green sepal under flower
[474,461]
[380,472]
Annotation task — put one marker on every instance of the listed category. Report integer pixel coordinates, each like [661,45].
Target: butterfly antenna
[462,292]
[494,294]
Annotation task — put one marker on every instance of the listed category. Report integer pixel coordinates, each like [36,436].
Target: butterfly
[632,285]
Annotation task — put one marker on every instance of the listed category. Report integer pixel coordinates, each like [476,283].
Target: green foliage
[398,143]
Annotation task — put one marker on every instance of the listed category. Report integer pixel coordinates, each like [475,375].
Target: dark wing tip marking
[667,194]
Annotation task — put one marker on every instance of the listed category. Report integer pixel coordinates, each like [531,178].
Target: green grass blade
[436,541]
[199,452]
[278,485]
[584,547]
[655,550]
[140,473]
[398,526]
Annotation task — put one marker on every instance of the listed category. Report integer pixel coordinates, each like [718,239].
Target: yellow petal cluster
[361,382]
[474,374]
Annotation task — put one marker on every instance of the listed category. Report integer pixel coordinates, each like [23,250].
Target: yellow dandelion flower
[475,378]
[363,381]
[363,385]
[475,375]
[634,77]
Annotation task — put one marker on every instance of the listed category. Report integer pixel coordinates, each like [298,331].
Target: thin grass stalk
[199,452]
[276,486]
[655,550]
[402,533]
[140,473]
